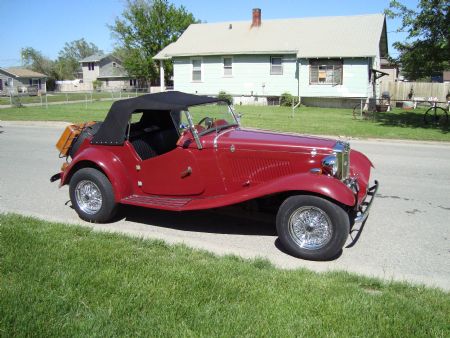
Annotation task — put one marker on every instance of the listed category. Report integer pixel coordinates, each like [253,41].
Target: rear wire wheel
[92,195]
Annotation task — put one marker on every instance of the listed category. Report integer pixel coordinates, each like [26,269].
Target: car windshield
[209,118]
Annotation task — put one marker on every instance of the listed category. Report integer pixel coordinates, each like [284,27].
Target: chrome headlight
[338,164]
[330,164]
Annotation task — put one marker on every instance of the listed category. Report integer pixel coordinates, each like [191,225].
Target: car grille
[342,151]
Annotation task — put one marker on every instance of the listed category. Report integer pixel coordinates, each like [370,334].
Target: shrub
[97,84]
[287,100]
[225,96]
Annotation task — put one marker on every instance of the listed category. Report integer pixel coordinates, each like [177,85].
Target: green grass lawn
[397,124]
[59,280]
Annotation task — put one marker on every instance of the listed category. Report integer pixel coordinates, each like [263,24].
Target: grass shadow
[407,119]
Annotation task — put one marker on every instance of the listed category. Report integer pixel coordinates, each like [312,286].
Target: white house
[333,59]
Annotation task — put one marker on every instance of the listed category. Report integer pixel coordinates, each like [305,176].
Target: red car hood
[270,141]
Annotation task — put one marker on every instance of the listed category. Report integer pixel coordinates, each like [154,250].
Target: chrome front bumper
[362,214]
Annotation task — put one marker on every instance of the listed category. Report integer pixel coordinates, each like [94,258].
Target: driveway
[405,238]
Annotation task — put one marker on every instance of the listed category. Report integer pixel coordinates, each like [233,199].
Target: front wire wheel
[312,227]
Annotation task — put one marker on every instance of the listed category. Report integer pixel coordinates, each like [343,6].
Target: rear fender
[108,162]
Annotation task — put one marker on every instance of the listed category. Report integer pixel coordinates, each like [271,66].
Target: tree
[146,27]
[35,60]
[69,57]
[426,51]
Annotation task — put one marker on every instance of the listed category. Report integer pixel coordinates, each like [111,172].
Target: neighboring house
[21,80]
[107,69]
[391,69]
[331,58]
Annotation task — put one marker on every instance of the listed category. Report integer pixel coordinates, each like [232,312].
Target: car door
[174,173]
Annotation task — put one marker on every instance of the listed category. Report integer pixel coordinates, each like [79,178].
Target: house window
[114,64]
[91,65]
[227,66]
[276,65]
[196,69]
[1,84]
[325,72]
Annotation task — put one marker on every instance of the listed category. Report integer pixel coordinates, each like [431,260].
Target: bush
[97,84]
[287,100]
[225,96]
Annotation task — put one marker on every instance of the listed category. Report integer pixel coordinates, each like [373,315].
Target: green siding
[251,75]
[355,81]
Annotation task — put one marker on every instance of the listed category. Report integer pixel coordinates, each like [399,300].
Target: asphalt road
[406,236]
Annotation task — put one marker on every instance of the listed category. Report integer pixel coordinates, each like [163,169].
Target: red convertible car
[177,151]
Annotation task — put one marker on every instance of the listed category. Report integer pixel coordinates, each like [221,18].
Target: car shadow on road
[229,220]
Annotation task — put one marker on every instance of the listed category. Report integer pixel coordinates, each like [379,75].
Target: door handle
[186,173]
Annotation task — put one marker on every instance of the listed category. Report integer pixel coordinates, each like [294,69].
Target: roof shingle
[340,36]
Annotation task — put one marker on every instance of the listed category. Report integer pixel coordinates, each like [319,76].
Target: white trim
[201,69]
[281,64]
[223,65]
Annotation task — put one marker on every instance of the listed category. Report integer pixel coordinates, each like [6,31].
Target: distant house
[392,70]
[21,80]
[328,58]
[107,69]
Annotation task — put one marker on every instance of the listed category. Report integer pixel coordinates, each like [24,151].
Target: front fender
[318,184]
[108,162]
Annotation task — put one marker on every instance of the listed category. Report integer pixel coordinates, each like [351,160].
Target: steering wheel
[208,122]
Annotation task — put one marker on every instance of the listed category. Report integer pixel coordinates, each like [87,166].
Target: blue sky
[47,24]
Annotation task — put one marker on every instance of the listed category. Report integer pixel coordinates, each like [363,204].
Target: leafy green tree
[426,50]
[145,28]
[69,57]
[35,60]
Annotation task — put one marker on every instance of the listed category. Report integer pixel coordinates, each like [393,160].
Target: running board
[158,202]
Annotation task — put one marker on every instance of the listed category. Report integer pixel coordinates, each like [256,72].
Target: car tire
[92,195]
[87,132]
[312,227]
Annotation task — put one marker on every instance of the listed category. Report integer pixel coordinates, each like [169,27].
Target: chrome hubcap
[310,228]
[88,197]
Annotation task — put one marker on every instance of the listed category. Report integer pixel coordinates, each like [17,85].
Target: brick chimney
[256,18]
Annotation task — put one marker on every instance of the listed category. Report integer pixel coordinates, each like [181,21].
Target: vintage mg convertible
[177,151]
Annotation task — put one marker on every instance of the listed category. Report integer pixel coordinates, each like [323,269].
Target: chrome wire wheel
[310,228]
[88,197]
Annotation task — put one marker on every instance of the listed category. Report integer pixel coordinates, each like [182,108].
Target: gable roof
[23,72]
[339,36]
[108,71]
[94,57]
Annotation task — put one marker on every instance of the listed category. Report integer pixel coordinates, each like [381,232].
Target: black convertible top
[113,129]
